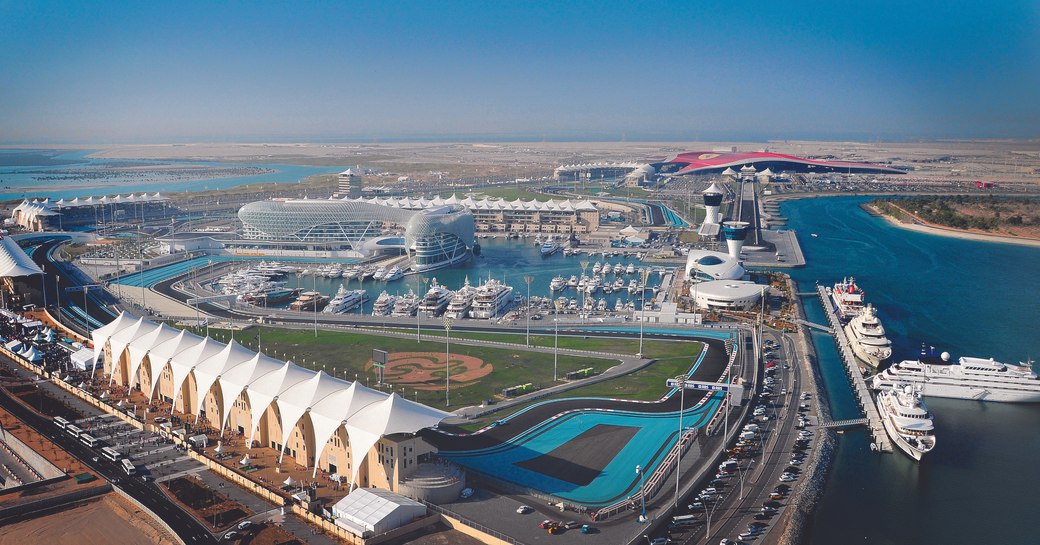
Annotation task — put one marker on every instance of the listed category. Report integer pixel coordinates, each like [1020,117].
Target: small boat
[814,235]
[630,269]
[379,274]
[572,282]
[309,301]
[619,305]
[601,305]
[597,268]
[395,273]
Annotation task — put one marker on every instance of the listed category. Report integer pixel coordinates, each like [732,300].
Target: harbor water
[966,297]
[506,260]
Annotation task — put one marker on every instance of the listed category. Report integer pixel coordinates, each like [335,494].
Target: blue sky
[172,71]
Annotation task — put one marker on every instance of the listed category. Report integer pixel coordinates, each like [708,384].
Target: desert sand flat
[103,521]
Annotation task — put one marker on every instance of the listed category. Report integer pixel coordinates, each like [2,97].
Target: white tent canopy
[232,370]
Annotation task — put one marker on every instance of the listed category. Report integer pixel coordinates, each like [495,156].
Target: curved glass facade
[434,238]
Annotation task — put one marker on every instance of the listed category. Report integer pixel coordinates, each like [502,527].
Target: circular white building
[727,294]
[706,265]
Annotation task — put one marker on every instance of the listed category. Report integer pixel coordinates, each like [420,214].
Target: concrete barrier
[151,513]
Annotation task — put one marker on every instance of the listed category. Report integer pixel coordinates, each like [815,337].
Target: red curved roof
[710,160]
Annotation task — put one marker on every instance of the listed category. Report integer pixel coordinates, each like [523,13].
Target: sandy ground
[103,521]
[956,233]
[1012,161]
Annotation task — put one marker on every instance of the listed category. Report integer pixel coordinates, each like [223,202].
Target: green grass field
[512,194]
[646,384]
[346,355]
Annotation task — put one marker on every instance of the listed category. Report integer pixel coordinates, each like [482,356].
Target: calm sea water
[37,173]
[965,297]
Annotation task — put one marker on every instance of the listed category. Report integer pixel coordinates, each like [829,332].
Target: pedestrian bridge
[814,325]
[844,423]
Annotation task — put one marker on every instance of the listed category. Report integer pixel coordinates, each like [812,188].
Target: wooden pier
[859,386]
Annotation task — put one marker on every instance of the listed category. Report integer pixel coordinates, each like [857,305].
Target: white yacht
[352,272]
[406,305]
[619,305]
[601,306]
[597,268]
[550,247]
[461,302]
[384,304]
[558,283]
[593,285]
[435,300]
[395,273]
[572,282]
[847,298]
[380,273]
[907,420]
[867,337]
[630,269]
[493,298]
[968,378]
[344,301]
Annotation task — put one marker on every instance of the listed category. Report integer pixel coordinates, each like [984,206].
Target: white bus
[128,466]
[60,422]
[73,430]
[88,439]
[111,454]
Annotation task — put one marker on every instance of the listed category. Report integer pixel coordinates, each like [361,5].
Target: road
[147,493]
[743,495]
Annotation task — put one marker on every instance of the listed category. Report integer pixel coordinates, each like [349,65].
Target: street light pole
[681,384]
[556,350]
[528,279]
[642,496]
[645,273]
[418,288]
[314,289]
[447,362]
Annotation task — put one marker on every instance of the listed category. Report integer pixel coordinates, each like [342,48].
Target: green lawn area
[646,384]
[346,354]
[652,348]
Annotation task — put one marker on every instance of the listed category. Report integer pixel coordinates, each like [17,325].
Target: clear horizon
[121,72]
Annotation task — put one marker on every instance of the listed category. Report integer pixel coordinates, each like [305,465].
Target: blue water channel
[969,298]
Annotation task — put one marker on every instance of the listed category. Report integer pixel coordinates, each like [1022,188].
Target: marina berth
[461,302]
[309,301]
[967,378]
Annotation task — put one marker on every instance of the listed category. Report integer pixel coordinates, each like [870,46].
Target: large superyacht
[867,337]
[968,378]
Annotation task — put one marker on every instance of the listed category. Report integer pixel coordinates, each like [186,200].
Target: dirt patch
[109,519]
[426,370]
[215,510]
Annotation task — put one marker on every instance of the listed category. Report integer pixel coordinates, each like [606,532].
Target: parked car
[524,509]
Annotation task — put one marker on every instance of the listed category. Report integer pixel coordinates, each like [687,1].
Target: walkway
[859,385]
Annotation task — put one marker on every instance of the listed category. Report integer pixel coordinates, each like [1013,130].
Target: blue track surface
[655,434]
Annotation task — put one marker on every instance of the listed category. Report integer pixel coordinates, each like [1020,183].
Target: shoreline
[951,232]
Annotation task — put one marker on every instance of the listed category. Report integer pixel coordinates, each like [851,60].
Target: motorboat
[558,283]
[867,337]
[436,299]
[493,299]
[461,302]
[907,420]
[847,298]
[406,305]
[309,301]
[395,273]
[977,379]
[383,305]
[550,247]
[345,300]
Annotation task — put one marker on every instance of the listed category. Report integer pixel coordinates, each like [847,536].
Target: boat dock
[859,386]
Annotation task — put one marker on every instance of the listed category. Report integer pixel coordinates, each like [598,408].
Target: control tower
[735,232]
[712,203]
